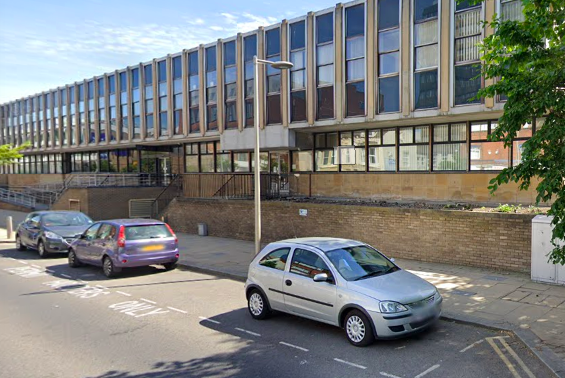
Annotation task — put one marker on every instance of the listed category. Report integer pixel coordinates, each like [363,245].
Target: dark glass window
[177,67]
[467,84]
[162,71]
[355,60]
[297,35]
[111,84]
[194,92]
[229,53]
[273,77]
[307,263]
[424,9]
[249,51]
[211,94]
[210,59]
[426,89]
[388,99]
[148,74]
[324,28]
[389,94]
[324,67]
[123,82]
[273,37]
[467,56]
[389,14]
[135,78]
[298,71]
[276,259]
[230,87]
[426,54]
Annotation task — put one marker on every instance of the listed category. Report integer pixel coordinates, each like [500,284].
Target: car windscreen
[360,262]
[151,231]
[65,219]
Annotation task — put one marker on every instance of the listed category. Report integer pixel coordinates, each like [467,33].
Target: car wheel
[109,269]
[74,262]
[170,266]
[358,329]
[19,245]
[257,305]
[41,249]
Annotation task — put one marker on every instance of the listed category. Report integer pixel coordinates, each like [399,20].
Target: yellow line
[520,362]
[503,358]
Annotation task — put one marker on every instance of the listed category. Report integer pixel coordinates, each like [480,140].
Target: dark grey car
[51,231]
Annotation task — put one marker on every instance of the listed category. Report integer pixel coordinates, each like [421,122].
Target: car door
[99,244]
[84,244]
[269,275]
[33,231]
[302,295]
[23,229]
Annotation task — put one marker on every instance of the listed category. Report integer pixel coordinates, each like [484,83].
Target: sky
[49,43]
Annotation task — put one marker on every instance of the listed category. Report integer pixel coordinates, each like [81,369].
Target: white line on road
[66,275]
[101,287]
[122,293]
[470,346]
[209,320]
[293,346]
[249,332]
[503,358]
[23,262]
[35,266]
[148,301]
[176,309]
[427,371]
[49,271]
[388,375]
[518,359]
[350,363]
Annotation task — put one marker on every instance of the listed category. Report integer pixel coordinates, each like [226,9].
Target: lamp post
[281,65]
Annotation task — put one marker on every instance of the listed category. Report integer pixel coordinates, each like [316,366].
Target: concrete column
[405,66]
[285,83]
[185,100]
[310,70]
[239,82]
[370,58]
[444,54]
[261,79]
[489,10]
[338,63]
[202,91]
[220,85]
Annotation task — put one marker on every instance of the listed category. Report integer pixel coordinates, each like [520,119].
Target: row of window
[132,105]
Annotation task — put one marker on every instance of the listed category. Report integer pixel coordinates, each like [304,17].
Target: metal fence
[17,198]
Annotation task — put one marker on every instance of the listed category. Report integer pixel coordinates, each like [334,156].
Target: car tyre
[41,249]
[109,268]
[19,245]
[257,305]
[358,329]
[170,266]
[74,262]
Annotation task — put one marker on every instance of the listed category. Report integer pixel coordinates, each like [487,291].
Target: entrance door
[164,170]
[280,164]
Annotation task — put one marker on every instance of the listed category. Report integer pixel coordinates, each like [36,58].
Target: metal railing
[117,179]
[173,190]
[17,198]
[234,185]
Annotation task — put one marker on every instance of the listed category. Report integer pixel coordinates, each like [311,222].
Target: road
[61,322]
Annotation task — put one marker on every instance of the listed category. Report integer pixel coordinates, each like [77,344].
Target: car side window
[90,234]
[276,259]
[104,231]
[307,263]
[34,221]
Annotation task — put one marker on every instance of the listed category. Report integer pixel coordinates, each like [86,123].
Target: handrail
[17,198]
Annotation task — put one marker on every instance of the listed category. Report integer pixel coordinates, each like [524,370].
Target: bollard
[9,228]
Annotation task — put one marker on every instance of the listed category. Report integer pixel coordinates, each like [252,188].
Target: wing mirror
[322,277]
[82,236]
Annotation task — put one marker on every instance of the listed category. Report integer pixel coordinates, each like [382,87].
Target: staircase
[21,199]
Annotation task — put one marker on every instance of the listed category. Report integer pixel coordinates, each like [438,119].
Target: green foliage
[10,154]
[506,208]
[527,62]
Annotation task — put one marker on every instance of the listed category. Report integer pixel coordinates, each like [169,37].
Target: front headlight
[52,235]
[389,307]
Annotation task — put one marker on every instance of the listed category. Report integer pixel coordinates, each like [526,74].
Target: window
[325,66]
[382,150]
[149,101]
[298,71]
[90,132]
[525,133]
[485,155]
[467,59]
[124,108]
[135,103]
[194,92]
[207,164]
[426,54]
[414,151]
[90,234]
[450,147]
[355,60]
[325,147]
[301,161]
[178,126]
[163,98]
[64,120]
[249,51]
[276,259]
[40,123]
[223,159]
[388,97]
[241,162]
[273,53]
[101,111]
[307,263]
[211,95]
[191,159]
[511,10]
[230,86]
[82,130]
[112,107]
[72,118]
[352,151]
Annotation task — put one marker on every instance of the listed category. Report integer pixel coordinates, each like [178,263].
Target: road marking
[388,375]
[36,266]
[470,346]
[350,363]
[518,359]
[209,320]
[148,301]
[49,271]
[122,293]
[101,287]
[503,358]
[427,371]
[246,331]
[176,309]
[294,346]
[23,262]
[66,275]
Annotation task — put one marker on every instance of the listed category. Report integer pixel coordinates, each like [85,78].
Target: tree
[9,154]
[526,60]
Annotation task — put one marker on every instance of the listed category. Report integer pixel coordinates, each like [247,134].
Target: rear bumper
[133,261]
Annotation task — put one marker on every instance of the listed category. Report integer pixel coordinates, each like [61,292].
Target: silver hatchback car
[341,282]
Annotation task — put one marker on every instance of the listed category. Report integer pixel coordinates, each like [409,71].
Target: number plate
[151,248]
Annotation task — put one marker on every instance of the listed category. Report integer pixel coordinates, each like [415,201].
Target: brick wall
[12,207]
[499,241]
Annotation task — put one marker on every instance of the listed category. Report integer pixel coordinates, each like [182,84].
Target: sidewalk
[511,301]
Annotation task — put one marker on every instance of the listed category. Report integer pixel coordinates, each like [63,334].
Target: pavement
[510,301]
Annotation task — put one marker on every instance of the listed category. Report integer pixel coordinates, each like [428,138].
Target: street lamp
[281,65]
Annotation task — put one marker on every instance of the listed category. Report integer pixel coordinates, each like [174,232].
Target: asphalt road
[61,322]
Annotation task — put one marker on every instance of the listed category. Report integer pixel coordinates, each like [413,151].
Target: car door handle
[288,282]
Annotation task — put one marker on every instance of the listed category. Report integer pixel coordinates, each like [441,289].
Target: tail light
[172,232]
[122,237]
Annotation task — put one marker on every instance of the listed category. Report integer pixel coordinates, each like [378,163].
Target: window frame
[234,124]
[321,257]
[450,141]
[209,105]
[317,15]
[293,69]
[413,143]
[378,55]
[345,38]
[274,73]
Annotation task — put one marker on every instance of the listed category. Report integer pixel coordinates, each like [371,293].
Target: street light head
[282,65]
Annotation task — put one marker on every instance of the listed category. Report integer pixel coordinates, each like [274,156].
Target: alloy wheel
[355,328]
[256,304]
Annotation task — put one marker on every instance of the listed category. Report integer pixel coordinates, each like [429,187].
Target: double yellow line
[509,365]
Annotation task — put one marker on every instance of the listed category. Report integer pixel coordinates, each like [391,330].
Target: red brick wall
[491,240]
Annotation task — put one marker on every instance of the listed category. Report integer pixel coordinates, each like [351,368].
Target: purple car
[125,243]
